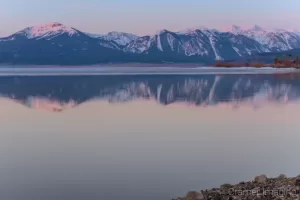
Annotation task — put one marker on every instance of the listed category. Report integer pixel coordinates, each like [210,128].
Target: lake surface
[125,70]
[144,136]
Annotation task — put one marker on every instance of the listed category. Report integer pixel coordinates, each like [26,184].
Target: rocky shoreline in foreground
[260,188]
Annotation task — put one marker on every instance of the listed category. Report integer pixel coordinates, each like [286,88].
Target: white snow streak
[171,40]
[287,41]
[159,46]
[237,51]
[248,51]
[212,43]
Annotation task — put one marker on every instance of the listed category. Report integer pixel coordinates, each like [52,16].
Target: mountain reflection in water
[56,93]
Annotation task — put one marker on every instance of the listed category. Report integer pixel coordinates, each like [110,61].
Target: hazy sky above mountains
[147,16]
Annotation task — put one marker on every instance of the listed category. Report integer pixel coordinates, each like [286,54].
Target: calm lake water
[144,136]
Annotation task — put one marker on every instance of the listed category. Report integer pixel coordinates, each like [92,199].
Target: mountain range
[55,43]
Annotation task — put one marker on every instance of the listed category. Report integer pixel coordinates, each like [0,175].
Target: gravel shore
[260,188]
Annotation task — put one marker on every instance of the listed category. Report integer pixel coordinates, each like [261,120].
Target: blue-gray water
[127,70]
[143,136]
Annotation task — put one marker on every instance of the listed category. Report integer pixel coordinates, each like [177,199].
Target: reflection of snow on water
[159,88]
[279,93]
[48,104]
[121,96]
[212,91]
[130,91]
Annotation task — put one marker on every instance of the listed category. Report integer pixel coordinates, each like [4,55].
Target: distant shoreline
[223,65]
[258,65]
[182,65]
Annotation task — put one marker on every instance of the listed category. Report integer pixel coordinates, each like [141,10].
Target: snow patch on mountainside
[110,45]
[248,51]
[139,45]
[287,41]
[119,37]
[237,51]
[171,40]
[194,47]
[159,46]
[194,41]
[7,39]
[212,43]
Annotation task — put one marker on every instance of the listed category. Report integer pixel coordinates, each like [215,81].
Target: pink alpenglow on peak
[195,29]
[48,30]
[257,28]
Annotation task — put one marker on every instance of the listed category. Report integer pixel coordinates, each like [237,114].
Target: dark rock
[194,196]
[297,182]
[226,186]
[282,176]
[261,179]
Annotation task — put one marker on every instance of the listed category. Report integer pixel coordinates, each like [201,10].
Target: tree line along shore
[283,61]
[258,65]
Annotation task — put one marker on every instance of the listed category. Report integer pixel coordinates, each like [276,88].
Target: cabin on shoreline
[287,60]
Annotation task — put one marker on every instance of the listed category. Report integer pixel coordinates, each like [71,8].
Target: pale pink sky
[146,17]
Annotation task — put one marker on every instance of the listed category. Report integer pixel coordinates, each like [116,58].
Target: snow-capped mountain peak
[49,30]
[293,30]
[194,30]
[236,29]
[120,38]
[159,32]
[257,28]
